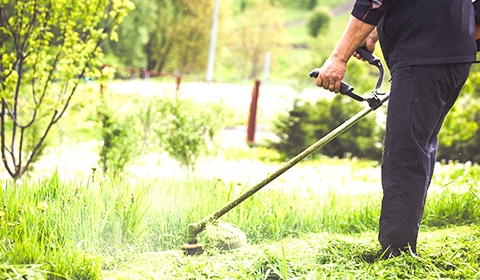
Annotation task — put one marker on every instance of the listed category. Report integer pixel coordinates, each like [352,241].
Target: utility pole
[213,42]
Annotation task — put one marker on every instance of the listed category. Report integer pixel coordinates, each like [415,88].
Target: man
[429,46]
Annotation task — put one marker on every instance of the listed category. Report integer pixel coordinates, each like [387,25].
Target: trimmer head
[216,235]
[193,249]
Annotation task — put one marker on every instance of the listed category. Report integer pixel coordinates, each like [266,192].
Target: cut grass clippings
[450,253]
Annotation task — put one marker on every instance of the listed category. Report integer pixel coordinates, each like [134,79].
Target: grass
[318,256]
[117,228]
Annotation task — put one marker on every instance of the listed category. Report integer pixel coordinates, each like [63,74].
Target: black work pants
[420,98]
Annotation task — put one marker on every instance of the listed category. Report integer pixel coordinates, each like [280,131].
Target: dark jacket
[421,32]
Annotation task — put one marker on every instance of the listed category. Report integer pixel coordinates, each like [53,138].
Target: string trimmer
[374,101]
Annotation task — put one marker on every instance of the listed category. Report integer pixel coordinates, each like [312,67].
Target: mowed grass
[129,228]
[446,254]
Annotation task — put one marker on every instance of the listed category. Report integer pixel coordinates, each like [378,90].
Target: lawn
[317,221]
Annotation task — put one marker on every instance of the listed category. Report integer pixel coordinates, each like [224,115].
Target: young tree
[47,47]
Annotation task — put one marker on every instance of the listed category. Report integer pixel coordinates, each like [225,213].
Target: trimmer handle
[345,88]
[368,56]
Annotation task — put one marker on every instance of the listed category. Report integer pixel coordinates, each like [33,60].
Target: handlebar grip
[367,55]
[314,73]
[346,89]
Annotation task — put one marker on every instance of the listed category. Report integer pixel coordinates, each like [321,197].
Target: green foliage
[120,142]
[255,33]
[294,131]
[460,134]
[131,126]
[188,130]
[318,21]
[311,4]
[133,34]
[47,48]
[59,230]
[306,123]
[177,41]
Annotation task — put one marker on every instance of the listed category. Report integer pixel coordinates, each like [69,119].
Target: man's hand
[331,74]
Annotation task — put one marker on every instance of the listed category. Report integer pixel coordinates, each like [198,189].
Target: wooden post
[253,114]
[179,81]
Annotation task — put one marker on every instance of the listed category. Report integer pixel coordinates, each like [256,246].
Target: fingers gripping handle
[368,56]
[345,88]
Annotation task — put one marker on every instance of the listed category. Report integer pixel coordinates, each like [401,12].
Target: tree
[133,35]
[259,30]
[179,40]
[47,48]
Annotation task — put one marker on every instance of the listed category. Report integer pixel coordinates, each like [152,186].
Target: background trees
[133,33]
[179,40]
[47,48]
[257,32]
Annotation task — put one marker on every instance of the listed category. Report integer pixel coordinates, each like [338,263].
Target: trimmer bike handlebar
[346,89]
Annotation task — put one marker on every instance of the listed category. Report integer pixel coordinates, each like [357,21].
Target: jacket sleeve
[369,11]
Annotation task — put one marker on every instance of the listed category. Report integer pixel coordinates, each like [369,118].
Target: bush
[460,134]
[306,123]
[120,142]
[312,4]
[188,130]
[180,127]
[318,21]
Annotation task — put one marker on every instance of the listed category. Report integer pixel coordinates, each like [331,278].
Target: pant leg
[420,98]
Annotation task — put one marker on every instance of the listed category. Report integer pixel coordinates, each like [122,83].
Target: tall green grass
[74,229]
[66,227]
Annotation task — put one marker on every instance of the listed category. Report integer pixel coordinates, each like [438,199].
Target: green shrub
[318,21]
[312,4]
[460,134]
[306,123]
[120,141]
[184,129]
[188,130]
